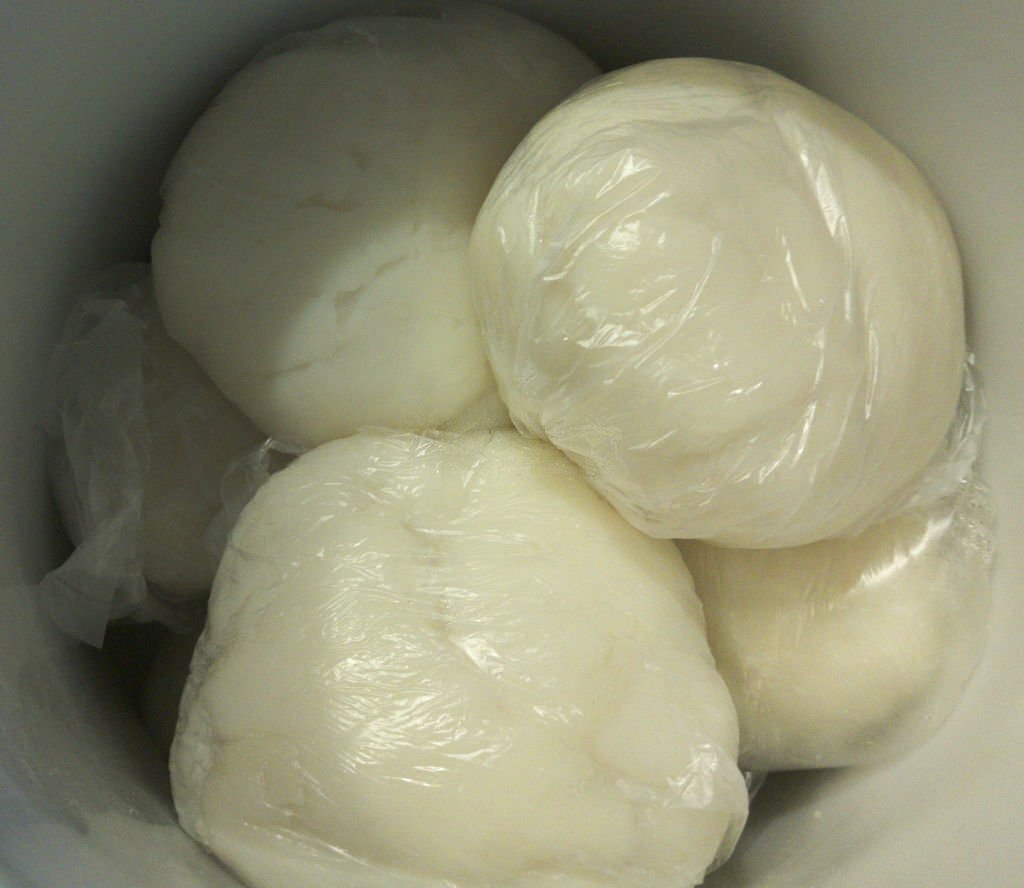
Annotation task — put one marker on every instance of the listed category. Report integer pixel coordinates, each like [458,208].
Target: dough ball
[144,442]
[847,652]
[448,661]
[312,251]
[736,306]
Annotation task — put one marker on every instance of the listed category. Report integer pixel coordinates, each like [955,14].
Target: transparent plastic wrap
[847,652]
[312,251]
[446,660]
[734,305]
[142,444]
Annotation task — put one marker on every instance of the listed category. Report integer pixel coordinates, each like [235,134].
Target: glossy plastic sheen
[447,660]
[849,652]
[735,305]
[85,146]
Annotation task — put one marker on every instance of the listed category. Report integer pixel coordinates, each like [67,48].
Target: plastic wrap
[446,660]
[734,305]
[312,251]
[848,652]
[142,445]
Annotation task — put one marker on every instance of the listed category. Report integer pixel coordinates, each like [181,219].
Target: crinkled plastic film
[850,651]
[445,660]
[242,478]
[734,305]
[141,441]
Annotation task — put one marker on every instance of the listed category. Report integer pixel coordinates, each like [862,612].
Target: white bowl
[95,98]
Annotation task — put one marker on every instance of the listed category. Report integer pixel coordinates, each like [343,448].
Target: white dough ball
[144,442]
[736,306]
[312,251]
[848,652]
[437,661]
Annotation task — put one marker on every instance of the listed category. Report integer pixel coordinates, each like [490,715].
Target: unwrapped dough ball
[312,247]
[448,661]
[848,652]
[736,306]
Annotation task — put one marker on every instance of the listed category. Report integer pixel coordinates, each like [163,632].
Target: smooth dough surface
[312,251]
[849,652]
[735,305]
[438,661]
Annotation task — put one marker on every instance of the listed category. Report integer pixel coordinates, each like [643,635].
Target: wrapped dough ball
[312,251]
[736,306]
[848,652]
[448,661]
[145,441]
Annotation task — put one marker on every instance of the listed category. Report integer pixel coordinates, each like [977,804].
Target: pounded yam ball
[736,306]
[437,661]
[145,442]
[312,251]
[848,652]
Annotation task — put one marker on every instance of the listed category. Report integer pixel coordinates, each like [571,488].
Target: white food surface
[448,661]
[312,252]
[735,305]
[848,652]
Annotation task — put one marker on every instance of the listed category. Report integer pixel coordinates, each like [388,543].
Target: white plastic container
[95,98]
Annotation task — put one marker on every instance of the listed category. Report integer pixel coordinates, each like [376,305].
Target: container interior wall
[95,98]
